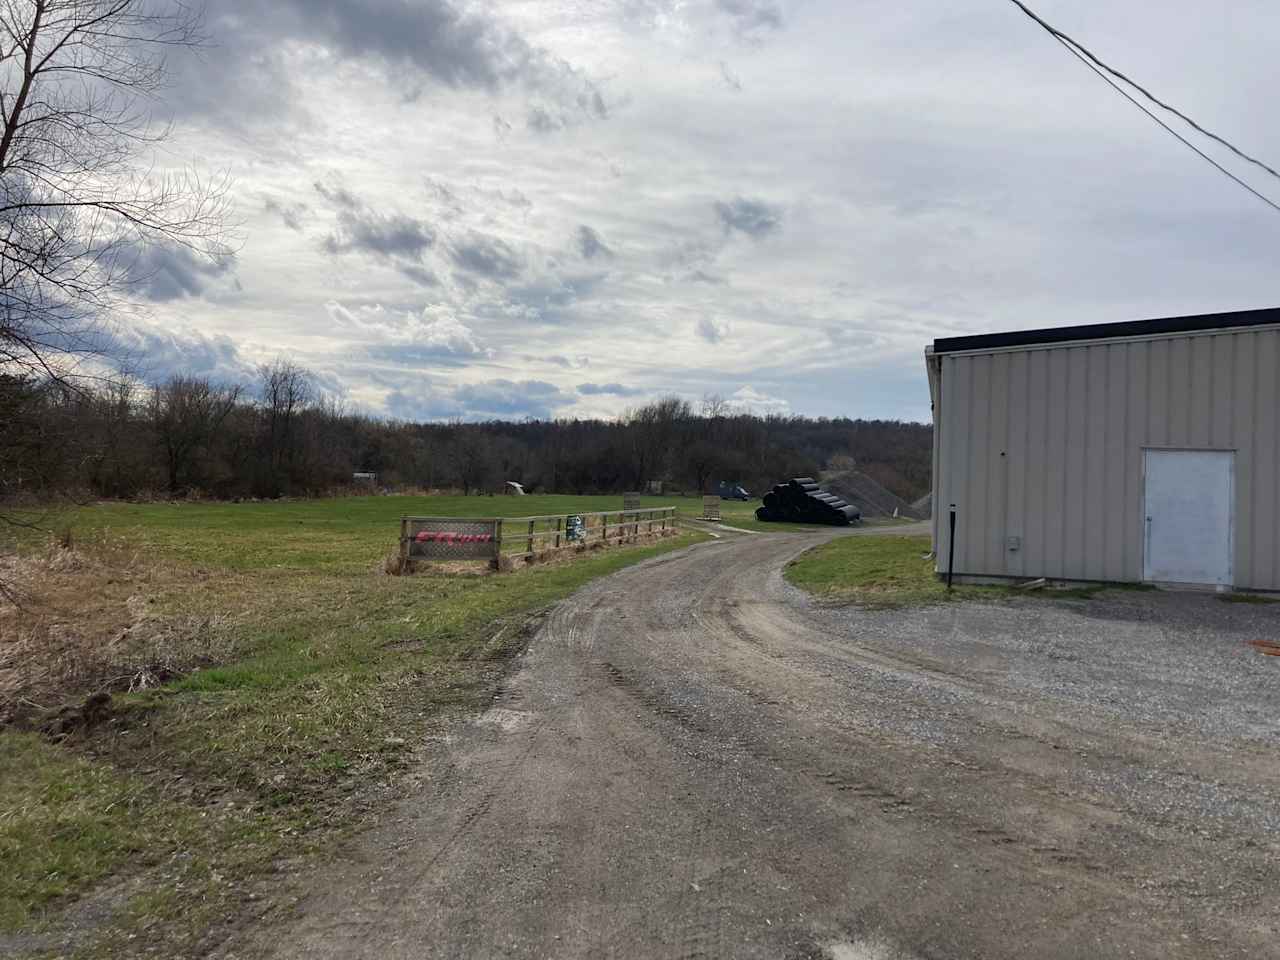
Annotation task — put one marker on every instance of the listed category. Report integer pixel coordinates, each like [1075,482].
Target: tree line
[281,436]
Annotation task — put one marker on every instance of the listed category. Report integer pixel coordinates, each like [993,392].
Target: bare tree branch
[81,195]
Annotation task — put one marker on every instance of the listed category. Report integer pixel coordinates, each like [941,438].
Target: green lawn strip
[347,534]
[895,571]
[66,821]
[1247,598]
[323,683]
[269,754]
[876,571]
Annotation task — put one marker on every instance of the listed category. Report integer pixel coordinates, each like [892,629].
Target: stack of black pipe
[803,501]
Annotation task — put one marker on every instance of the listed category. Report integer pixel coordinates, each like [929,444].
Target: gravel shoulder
[692,758]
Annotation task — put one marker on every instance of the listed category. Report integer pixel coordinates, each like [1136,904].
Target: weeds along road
[692,760]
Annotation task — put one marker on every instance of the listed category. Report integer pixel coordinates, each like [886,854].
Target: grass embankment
[897,571]
[878,571]
[292,682]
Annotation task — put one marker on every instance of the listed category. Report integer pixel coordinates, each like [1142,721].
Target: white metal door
[1189,505]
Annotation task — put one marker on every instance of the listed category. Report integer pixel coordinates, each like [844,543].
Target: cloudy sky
[564,208]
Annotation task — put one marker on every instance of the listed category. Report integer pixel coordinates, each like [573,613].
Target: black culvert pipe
[951,548]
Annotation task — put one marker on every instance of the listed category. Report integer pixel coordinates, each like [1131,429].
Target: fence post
[404,545]
[558,520]
[604,528]
[531,523]
[497,544]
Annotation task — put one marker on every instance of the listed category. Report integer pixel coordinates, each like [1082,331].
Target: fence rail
[467,538]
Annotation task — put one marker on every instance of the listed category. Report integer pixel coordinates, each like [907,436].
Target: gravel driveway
[694,760]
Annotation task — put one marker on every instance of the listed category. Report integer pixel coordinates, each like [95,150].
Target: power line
[1128,96]
[1065,40]
[1102,69]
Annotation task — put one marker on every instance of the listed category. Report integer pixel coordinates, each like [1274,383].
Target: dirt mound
[871,498]
[63,721]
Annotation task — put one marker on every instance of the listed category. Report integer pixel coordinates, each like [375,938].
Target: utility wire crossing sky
[1101,68]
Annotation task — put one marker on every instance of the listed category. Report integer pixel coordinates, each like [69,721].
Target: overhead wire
[1107,72]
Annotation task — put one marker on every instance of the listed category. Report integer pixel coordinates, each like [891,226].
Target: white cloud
[751,400]
[432,330]
[864,191]
[712,329]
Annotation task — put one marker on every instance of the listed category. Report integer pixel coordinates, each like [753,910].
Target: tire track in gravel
[690,760]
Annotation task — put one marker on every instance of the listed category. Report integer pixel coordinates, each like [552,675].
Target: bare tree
[80,194]
[29,428]
[655,433]
[79,191]
[112,464]
[714,406]
[287,390]
[702,459]
[187,414]
[472,455]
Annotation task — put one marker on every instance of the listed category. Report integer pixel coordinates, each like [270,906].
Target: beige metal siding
[1265,508]
[1045,444]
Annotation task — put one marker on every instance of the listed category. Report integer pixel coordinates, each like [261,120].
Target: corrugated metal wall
[1046,444]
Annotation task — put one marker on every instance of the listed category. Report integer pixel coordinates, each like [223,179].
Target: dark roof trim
[1107,331]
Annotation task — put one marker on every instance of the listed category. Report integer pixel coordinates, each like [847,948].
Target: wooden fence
[458,538]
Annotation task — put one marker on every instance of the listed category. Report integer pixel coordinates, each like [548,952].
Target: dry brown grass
[85,620]
[100,617]
[395,564]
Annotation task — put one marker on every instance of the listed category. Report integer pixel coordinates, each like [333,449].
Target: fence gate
[448,538]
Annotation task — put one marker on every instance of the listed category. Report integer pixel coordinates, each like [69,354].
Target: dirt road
[692,760]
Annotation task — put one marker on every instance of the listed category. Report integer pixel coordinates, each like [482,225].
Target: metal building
[1138,452]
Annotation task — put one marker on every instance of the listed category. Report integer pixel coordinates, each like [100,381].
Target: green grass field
[880,571]
[896,571]
[347,534]
[302,677]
